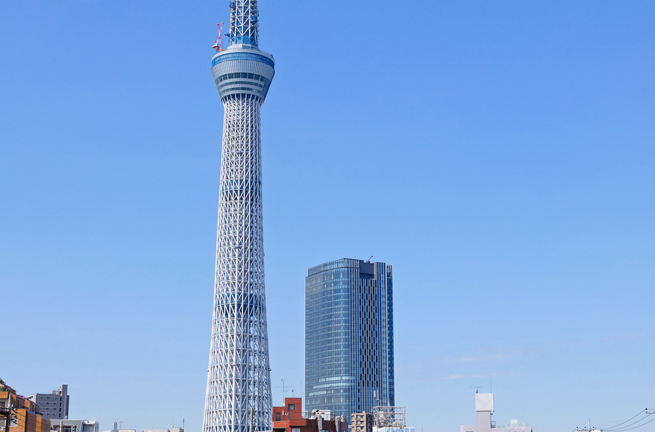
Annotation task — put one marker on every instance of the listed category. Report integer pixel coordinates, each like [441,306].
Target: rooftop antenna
[589,428]
[283,387]
[369,259]
[218,43]
[477,389]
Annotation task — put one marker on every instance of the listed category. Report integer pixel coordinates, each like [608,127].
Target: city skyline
[512,186]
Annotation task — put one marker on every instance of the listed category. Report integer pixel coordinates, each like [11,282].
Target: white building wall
[484,406]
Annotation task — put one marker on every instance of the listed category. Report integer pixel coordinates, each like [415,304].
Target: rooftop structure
[117,429]
[390,419]
[484,408]
[389,416]
[75,426]
[238,397]
[173,429]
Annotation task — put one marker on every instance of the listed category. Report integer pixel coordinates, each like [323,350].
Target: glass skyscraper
[349,336]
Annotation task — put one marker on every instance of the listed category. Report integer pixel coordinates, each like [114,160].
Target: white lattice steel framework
[238,382]
[244,22]
[389,417]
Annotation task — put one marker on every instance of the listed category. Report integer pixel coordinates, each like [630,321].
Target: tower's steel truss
[238,382]
[244,22]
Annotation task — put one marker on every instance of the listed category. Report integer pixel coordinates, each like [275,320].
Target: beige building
[362,422]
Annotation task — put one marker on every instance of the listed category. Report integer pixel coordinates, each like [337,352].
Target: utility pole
[7,412]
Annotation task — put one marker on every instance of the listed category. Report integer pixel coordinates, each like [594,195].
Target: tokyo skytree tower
[238,382]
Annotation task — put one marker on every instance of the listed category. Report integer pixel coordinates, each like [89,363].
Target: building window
[278,416]
[295,429]
[292,407]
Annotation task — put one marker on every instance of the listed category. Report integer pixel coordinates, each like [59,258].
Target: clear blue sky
[498,153]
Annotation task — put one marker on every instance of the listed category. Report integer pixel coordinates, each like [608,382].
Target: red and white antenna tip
[218,43]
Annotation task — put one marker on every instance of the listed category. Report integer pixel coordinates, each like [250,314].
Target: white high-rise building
[238,382]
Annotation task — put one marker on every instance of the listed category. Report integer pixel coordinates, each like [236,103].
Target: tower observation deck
[238,381]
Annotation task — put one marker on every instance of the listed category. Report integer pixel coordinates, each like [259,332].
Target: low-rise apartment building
[19,414]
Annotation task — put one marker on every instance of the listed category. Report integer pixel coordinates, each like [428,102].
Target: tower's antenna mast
[244,22]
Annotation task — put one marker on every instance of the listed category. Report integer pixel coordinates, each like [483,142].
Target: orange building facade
[21,414]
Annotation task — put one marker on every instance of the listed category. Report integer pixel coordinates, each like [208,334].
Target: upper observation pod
[243,70]
[244,22]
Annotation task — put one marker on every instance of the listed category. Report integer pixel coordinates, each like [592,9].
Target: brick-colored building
[289,418]
[21,414]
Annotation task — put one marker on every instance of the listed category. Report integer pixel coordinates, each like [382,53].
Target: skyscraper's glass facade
[349,336]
